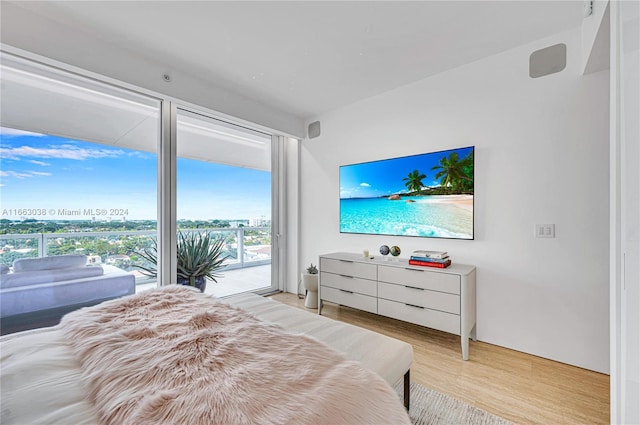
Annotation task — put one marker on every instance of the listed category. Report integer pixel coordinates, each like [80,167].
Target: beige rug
[429,407]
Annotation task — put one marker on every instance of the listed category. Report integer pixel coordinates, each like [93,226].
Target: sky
[379,178]
[50,177]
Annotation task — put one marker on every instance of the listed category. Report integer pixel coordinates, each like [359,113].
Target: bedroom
[523,130]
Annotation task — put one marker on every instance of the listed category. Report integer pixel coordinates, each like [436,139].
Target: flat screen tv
[427,195]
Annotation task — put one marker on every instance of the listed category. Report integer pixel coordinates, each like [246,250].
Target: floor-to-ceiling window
[78,175]
[78,166]
[224,189]
[81,172]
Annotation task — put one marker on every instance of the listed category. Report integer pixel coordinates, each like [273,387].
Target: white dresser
[443,299]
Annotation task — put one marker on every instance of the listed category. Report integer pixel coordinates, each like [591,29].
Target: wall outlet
[545,230]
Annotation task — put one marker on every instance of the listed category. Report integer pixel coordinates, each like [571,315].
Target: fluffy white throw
[175,356]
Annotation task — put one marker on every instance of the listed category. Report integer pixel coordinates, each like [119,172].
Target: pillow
[4,269]
[49,263]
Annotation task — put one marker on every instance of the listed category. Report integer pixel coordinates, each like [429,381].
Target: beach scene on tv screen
[428,195]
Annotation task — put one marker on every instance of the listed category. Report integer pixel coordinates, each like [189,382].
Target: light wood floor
[520,387]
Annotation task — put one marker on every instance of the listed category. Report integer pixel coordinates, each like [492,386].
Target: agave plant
[200,256]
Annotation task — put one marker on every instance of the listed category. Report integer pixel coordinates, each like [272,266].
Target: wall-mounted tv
[428,195]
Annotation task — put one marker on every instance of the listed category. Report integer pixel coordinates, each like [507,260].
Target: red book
[430,263]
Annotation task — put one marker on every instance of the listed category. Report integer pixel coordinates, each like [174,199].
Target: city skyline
[58,178]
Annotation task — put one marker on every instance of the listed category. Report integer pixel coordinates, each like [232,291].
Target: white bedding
[41,381]
[40,375]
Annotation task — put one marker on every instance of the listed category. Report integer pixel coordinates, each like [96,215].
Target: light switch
[545,230]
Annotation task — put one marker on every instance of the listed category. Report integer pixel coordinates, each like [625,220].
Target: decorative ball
[384,250]
[395,250]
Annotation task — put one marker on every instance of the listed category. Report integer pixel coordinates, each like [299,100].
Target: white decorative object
[443,299]
[310,284]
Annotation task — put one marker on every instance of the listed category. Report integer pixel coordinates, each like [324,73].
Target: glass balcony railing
[244,247]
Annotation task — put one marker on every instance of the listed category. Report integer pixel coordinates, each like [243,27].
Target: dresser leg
[464,340]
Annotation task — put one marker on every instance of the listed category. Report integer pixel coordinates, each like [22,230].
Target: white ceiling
[306,58]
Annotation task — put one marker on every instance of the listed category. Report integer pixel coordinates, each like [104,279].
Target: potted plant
[200,256]
[312,269]
[310,284]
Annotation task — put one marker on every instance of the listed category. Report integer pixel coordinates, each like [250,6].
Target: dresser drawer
[352,284]
[419,278]
[349,268]
[350,299]
[449,303]
[446,322]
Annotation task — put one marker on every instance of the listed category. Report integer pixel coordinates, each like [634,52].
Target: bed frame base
[406,389]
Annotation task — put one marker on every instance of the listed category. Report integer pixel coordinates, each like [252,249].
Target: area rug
[429,407]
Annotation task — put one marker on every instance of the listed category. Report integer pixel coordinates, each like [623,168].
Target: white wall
[541,157]
[625,212]
[631,235]
[292,229]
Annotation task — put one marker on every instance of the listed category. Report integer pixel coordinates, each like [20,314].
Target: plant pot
[200,282]
[310,284]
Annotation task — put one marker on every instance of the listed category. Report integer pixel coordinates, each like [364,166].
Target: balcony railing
[245,246]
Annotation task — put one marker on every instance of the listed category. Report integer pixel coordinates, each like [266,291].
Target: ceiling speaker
[547,61]
[314,129]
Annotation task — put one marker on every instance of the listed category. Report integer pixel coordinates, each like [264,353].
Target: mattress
[41,381]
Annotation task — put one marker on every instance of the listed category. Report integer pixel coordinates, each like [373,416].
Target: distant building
[94,259]
[238,223]
[118,260]
[258,222]
[117,257]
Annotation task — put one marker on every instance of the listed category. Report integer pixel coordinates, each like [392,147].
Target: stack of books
[430,259]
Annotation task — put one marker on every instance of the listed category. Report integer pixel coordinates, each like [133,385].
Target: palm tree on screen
[451,171]
[413,181]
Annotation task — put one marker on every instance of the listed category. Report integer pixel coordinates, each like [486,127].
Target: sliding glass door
[92,168]
[224,190]
[78,175]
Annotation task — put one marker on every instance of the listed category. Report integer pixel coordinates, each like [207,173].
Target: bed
[173,355]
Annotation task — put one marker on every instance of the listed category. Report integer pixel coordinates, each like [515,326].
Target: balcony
[248,267]
[233,281]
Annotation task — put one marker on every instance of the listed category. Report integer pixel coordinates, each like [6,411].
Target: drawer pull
[346,261]
[348,292]
[415,270]
[344,275]
[416,306]
[413,287]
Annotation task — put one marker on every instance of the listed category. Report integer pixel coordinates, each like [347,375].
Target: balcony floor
[232,281]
